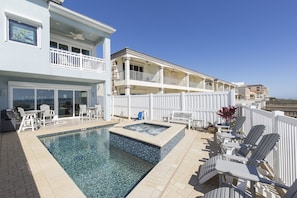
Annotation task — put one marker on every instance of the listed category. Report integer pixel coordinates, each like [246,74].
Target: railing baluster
[73,60]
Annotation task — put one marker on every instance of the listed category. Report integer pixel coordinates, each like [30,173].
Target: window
[23,33]
[85,52]
[76,50]
[53,44]
[63,47]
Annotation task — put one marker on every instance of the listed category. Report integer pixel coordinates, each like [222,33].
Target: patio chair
[248,143]
[98,111]
[29,121]
[47,114]
[231,191]
[140,116]
[208,169]
[224,134]
[83,111]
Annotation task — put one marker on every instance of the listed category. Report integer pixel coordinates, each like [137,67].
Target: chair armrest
[273,183]
[236,158]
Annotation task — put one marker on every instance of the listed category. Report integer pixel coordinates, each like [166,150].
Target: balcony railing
[73,60]
[174,81]
[141,76]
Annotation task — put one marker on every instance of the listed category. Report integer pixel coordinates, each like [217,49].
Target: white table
[91,111]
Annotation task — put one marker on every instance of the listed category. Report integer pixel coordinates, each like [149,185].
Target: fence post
[112,105]
[129,107]
[151,110]
[232,97]
[276,153]
[182,101]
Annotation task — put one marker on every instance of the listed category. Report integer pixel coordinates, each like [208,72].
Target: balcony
[71,60]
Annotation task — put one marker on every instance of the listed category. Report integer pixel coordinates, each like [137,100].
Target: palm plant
[227,113]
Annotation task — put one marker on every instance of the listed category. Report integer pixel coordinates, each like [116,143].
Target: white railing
[141,76]
[174,81]
[196,85]
[283,159]
[73,60]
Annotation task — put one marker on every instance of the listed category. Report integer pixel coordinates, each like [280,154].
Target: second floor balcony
[72,60]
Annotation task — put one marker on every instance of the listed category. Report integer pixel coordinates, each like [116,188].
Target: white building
[147,74]
[49,55]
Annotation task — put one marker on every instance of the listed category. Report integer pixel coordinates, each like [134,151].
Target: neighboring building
[147,74]
[48,55]
[260,91]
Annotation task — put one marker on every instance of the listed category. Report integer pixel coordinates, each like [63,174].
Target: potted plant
[211,127]
[227,113]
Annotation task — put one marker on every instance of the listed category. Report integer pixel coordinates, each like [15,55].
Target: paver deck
[28,170]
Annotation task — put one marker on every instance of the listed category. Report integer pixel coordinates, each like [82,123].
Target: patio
[28,170]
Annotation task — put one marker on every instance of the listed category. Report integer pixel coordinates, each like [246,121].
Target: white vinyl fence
[204,106]
[283,159]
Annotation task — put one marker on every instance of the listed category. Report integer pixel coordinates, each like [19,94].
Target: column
[127,90]
[107,83]
[127,75]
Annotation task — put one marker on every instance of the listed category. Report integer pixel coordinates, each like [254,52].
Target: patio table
[92,111]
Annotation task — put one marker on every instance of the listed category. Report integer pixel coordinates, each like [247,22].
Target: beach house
[53,55]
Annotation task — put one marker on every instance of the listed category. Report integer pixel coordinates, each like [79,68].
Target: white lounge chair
[47,114]
[224,134]
[248,143]
[227,192]
[208,169]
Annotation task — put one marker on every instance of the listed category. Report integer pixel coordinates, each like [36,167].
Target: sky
[250,41]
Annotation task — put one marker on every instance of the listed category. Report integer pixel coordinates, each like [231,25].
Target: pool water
[97,168]
[151,129]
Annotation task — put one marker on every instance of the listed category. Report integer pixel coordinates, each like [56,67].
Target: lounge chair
[248,143]
[47,114]
[224,135]
[267,143]
[227,192]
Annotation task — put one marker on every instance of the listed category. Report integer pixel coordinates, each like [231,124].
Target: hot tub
[152,148]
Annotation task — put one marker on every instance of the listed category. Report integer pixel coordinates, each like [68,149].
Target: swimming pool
[147,128]
[97,168]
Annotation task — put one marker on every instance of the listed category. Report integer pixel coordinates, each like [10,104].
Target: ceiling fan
[76,36]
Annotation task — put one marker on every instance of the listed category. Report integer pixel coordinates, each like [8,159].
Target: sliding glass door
[65,100]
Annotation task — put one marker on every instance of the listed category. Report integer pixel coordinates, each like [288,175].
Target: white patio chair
[83,111]
[98,111]
[29,121]
[47,114]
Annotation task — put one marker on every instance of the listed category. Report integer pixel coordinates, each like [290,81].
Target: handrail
[73,60]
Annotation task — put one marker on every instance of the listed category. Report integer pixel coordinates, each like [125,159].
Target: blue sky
[251,41]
